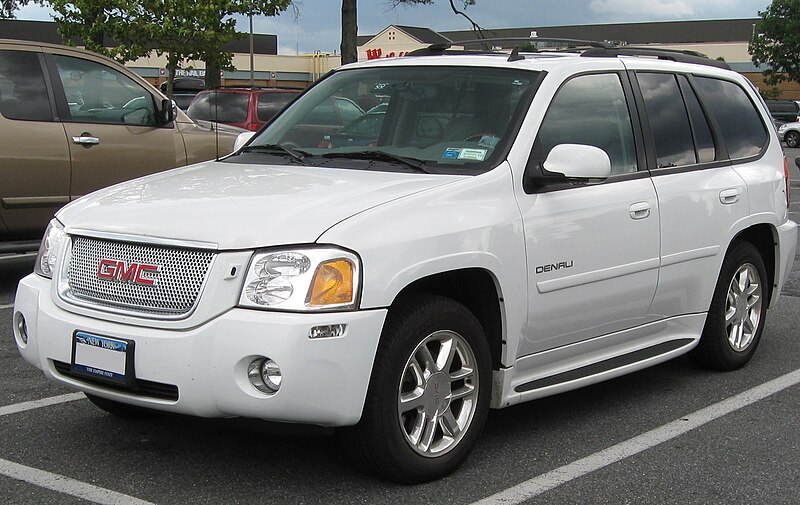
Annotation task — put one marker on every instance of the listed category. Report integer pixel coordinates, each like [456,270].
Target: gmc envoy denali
[517,226]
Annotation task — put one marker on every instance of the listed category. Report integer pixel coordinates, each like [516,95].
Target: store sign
[180,72]
[374,54]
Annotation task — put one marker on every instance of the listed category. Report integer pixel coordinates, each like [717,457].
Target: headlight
[48,250]
[302,279]
[782,128]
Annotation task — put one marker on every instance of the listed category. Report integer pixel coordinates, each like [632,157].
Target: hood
[240,206]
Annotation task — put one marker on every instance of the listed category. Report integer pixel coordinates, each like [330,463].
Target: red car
[245,107]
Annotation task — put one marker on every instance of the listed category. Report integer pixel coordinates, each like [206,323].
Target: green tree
[776,41]
[7,8]
[180,29]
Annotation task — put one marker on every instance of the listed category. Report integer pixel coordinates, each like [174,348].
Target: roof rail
[661,54]
[441,48]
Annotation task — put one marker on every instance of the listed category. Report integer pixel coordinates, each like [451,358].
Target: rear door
[34,156]
[702,198]
[110,123]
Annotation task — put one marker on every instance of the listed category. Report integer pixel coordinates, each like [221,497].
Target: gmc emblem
[138,273]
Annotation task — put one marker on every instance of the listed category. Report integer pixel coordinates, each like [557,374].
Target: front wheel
[738,310]
[428,398]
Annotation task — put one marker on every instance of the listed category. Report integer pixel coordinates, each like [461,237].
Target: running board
[604,366]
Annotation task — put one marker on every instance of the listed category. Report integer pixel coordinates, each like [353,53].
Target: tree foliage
[180,29]
[7,8]
[776,41]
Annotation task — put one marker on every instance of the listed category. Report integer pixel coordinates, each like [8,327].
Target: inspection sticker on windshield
[456,153]
[472,154]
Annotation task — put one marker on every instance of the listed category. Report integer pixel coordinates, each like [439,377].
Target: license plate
[103,358]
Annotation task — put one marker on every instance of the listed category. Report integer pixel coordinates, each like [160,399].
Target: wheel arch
[765,238]
[475,288]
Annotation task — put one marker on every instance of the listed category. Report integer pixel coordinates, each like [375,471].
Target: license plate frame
[103,358]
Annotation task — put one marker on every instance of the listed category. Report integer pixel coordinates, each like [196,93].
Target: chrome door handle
[729,196]
[86,140]
[639,210]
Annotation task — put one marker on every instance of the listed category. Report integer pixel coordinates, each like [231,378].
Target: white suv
[510,228]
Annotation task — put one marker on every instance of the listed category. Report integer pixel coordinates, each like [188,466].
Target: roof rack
[440,48]
[661,54]
[593,49]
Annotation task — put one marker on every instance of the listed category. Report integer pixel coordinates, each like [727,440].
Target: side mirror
[242,139]
[166,113]
[577,161]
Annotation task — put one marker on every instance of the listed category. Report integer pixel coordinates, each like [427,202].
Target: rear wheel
[122,410]
[738,310]
[429,394]
[792,139]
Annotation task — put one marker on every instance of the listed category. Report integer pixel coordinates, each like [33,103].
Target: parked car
[790,133]
[524,225]
[184,89]
[784,111]
[248,108]
[72,122]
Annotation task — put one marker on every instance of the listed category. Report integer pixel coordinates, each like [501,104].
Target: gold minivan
[71,122]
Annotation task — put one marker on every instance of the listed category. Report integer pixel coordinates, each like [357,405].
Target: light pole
[252,71]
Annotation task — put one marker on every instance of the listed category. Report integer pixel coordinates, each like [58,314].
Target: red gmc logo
[138,273]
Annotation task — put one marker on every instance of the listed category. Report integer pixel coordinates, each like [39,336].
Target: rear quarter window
[737,118]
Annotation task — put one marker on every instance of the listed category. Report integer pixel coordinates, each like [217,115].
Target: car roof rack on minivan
[592,49]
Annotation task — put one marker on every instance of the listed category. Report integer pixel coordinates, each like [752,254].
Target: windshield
[434,119]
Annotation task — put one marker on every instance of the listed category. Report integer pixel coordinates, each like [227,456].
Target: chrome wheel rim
[743,307]
[438,393]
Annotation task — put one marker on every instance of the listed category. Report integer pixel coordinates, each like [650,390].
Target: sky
[317,25]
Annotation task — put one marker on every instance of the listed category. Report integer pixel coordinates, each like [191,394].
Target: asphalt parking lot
[670,434]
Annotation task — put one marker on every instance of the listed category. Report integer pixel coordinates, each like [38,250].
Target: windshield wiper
[414,164]
[273,148]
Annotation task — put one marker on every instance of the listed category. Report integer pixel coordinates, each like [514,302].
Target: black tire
[382,441]
[792,138]
[122,410]
[721,347]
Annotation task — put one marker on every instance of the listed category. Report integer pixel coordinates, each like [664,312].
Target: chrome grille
[180,277]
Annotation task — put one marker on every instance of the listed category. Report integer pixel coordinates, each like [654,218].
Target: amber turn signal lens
[332,284]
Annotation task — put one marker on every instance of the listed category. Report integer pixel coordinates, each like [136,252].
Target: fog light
[21,327]
[327,331]
[265,375]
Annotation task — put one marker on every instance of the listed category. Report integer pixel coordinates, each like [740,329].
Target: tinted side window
[703,140]
[221,107]
[270,104]
[97,93]
[23,94]
[668,120]
[591,110]
[735,115]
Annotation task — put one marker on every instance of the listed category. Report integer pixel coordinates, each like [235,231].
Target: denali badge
[138,273]
[553,266]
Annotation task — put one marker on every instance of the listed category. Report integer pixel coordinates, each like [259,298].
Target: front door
[111,127]
[592,249]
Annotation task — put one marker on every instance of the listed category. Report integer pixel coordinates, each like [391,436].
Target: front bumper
[324,380]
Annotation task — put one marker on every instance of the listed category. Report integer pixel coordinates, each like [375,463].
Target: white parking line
[66,485]
[554,478]
[54,481]
[36,404]
[7,306]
